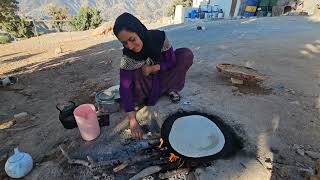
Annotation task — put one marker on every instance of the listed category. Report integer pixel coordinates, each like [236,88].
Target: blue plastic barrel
[194,14]
[251,8]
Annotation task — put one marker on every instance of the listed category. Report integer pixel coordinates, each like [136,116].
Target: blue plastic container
[251,8]
[194,14]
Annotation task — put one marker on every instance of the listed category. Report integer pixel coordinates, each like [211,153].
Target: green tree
[58,14]
[7,7]
[12,23]
[87,18]
[16,26]
[172,8]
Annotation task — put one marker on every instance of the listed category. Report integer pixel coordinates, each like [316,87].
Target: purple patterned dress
[135,88]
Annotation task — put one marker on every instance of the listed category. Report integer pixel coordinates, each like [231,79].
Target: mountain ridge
[110,9]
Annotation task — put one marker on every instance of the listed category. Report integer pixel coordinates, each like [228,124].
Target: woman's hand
[136,131]
[147,70]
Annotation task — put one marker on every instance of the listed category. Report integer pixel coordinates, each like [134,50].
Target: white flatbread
[113,91]
[196,136]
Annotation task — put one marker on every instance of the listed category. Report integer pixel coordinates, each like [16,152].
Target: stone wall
[317,11]
[277,10]
[307,6]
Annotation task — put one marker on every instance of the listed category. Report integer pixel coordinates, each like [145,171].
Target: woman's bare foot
[136,130]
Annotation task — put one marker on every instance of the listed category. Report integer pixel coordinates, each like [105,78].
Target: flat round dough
[196,136]
[113,91]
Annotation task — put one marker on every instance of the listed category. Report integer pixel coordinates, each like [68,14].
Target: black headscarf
[152,39]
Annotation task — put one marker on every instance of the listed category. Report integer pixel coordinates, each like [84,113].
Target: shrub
[5,38]
[87,18]
[58,14]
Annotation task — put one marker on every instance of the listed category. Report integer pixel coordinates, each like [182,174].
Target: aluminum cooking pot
[106,102]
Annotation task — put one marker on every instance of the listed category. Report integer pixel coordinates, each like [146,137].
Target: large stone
[104,29]
[24,116]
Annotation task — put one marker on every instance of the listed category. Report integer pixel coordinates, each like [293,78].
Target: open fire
[172,157]
[155,156]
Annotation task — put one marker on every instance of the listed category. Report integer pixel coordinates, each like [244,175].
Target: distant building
[229,7]
[232,8]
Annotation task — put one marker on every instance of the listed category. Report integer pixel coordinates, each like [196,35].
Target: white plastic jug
[87,120]
[19,164]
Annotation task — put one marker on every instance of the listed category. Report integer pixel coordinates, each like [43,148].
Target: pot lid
[196,136]
[17,156]
[109,94]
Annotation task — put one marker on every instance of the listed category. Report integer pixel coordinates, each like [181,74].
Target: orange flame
[173,157]
[161,143]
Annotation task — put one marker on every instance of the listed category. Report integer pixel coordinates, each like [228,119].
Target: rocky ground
[279,120]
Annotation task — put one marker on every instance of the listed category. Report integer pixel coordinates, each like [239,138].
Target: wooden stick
[121,166]
[74,161]
[146,172]
[107,163]
[92,162]
[22,128]
[134,160]
[154,142]
[169,174]
[159,162]
[8,124]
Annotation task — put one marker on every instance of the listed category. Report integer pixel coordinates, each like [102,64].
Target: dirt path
[274,118]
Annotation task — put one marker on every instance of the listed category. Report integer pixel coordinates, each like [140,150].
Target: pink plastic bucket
[87,120]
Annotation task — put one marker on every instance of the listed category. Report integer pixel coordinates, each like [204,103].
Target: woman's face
[130,40]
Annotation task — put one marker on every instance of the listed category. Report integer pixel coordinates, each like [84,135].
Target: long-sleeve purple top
[167,61]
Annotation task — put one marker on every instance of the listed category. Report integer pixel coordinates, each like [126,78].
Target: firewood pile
[151,161]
